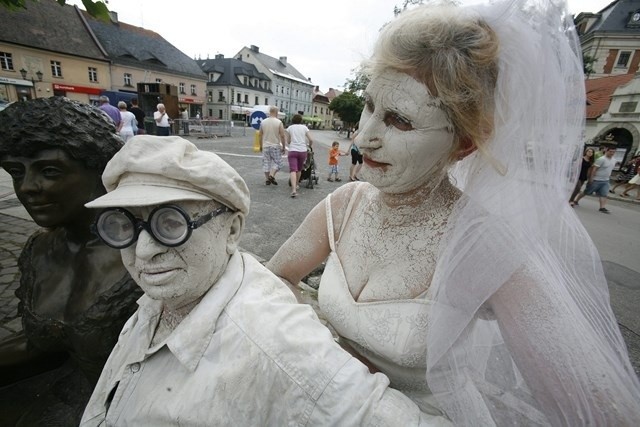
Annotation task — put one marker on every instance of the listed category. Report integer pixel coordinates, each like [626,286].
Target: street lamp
[38,73]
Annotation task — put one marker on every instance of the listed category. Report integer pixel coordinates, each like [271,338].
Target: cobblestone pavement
[13,235]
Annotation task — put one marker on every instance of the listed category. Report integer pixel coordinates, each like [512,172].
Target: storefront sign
[79,89]
[15,81]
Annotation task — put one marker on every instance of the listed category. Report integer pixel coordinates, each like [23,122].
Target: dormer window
[634,19]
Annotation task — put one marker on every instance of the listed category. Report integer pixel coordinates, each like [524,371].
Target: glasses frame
[139,224]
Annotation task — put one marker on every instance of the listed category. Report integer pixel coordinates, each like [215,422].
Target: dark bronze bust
[75,294]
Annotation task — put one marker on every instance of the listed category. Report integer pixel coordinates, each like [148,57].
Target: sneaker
[267,182]
[273,180]
[604,210]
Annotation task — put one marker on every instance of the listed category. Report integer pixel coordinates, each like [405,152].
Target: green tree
[96,9]
[359,83]
[348,106]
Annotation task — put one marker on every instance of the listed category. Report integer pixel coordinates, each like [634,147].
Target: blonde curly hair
[454,55]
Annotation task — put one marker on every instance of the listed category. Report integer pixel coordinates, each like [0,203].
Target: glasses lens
[169,226]
[116,229]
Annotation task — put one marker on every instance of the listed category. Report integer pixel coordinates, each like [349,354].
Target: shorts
[356,157]
[333,169]
[601,188]
[296,160]
[271,155]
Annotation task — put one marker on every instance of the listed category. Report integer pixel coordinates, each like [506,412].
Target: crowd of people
[461,285]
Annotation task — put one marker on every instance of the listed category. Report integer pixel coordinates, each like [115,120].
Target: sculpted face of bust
[53,187]
[180,275]
[405,136]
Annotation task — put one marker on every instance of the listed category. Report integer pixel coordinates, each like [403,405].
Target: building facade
[49,49]
[610,43]
[292,91]
[233,87]
[46,50]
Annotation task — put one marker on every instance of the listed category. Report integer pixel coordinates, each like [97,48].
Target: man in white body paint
[217,338]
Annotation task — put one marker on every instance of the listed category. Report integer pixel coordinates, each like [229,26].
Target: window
[181,88]
[220,96]
[6,60]
[246,99]
[239,99]
[93,74]
[193,89]
[623,59]
[628,107]
[127,79]
[266,101]
[256,101]
[219,114]
[56,69]
[245,80]
[158,80]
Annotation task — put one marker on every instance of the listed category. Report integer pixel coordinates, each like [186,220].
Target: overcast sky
[323,39]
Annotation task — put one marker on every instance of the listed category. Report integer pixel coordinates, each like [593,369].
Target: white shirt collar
[191,337]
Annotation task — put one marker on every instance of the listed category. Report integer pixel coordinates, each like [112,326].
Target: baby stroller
[308,172]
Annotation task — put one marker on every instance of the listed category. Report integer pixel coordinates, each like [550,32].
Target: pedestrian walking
[140,115]
[334,154]
[587,162]
[272,145]
[299,141]
[356,158]
[628,171]
[110,110]
[599,176]
[128,123]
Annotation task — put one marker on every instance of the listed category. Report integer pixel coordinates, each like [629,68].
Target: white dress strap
[347,214]
[330,232]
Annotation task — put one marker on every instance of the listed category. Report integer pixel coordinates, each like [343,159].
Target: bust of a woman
[75,294]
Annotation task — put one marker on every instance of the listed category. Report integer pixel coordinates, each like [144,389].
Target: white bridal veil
[515,224]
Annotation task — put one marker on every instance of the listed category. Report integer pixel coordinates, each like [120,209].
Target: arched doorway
[624,135]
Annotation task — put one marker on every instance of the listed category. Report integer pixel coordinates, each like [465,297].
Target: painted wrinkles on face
[406,136]
[181,274]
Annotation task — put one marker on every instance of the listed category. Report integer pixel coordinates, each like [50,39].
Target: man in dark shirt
[137,111]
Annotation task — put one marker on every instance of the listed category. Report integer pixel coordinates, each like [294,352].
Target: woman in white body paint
[458,269]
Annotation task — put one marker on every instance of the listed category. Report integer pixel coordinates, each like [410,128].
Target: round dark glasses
[169,225]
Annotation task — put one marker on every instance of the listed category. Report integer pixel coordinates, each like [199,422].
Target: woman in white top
[128,123]
[297,138]
[458,269]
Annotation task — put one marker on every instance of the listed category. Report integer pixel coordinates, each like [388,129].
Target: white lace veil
[519,220]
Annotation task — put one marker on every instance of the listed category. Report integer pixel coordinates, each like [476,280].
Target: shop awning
[311,119]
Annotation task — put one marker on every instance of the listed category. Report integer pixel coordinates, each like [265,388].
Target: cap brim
[144,195]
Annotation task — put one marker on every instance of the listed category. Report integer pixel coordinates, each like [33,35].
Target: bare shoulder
[342,196]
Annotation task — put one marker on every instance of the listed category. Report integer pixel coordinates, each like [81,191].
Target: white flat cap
[151,170]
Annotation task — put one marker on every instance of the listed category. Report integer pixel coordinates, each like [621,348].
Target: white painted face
[182,274]
[405,136]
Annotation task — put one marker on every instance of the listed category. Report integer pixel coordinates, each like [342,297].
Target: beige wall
[74,71]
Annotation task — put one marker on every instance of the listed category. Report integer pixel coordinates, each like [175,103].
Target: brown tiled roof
[47,25]
[599,93]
